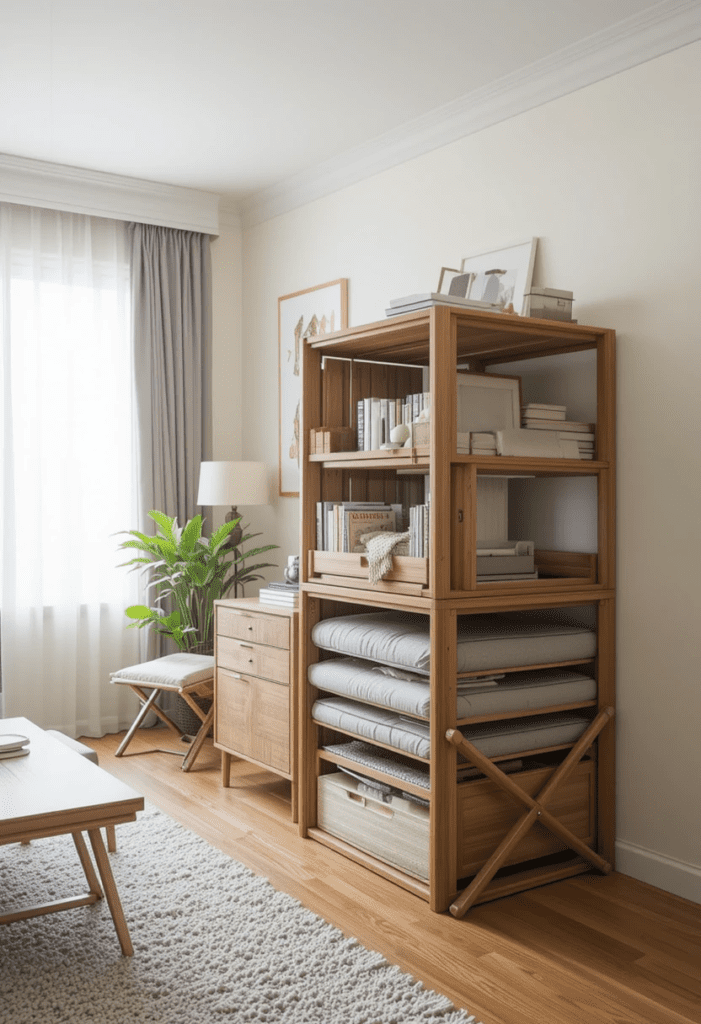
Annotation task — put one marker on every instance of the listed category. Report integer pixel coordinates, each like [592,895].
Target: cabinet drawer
[486,813]
[253,719]
[272,630]
[254,659]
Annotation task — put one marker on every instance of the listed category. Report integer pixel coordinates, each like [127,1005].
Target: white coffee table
[54,791]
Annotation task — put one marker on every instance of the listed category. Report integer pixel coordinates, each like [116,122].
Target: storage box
[396,832]
[548,304]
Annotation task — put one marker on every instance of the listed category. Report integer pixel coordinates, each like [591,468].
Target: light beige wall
[226,340]
[609,179]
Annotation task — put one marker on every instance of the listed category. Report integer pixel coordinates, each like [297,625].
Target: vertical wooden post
[309,614]
[443,359]
[443,849]
[606,745]
[606,452]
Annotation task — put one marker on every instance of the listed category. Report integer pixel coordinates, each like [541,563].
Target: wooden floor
[590,950]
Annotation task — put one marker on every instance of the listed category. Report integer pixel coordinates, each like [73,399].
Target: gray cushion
[485,642]
[413,736]
[517,691]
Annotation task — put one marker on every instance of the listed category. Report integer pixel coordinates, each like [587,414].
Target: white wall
[609,178]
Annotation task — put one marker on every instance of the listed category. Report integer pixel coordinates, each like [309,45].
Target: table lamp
[233,483]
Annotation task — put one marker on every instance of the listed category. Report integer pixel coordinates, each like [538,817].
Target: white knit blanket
[380,549]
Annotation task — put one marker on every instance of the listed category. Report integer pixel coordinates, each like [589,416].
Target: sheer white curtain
[68,469]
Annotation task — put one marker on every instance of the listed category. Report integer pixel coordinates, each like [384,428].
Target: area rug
[212,943]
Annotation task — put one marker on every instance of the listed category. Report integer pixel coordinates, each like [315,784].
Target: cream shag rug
[213,944]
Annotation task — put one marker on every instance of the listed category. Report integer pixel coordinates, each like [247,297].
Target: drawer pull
[249,646]
[236,675]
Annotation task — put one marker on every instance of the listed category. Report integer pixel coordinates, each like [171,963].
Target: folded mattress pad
[412,736]
[484,642]
[517,691]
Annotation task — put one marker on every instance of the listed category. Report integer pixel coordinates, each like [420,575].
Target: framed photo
[319,310]
[488,401]
[503,276]
[454,282]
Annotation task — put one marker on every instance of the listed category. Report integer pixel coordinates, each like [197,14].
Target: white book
[440,299]
[565,425]
[571,435]
[374,424]
[543,414]
[545,405]
[367,423]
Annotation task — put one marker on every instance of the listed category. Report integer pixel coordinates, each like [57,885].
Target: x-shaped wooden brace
[536,809]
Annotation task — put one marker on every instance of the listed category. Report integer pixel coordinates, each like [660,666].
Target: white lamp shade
[233,483]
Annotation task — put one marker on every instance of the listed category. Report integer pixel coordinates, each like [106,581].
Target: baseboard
[666,873]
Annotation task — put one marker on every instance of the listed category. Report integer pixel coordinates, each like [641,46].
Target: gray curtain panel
[171,295]
[171,315]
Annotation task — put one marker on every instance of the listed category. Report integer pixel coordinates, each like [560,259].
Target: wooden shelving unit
[338,369]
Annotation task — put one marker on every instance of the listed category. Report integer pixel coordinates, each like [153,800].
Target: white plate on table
[12,741]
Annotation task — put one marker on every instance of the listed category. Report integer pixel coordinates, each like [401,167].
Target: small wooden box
[323,440]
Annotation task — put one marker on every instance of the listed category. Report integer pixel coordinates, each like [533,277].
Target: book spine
[375,435]
[360,435]
[384,421]
[367,424]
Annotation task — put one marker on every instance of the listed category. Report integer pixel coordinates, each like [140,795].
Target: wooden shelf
[385,360]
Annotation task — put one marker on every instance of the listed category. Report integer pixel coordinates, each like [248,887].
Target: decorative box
[548,304]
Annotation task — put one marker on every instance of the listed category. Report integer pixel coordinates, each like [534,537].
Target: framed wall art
[319,310]
[503,276]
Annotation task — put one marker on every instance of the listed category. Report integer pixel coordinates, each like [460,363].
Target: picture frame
[488,402]
[503,276]
[321,309]
[454,282]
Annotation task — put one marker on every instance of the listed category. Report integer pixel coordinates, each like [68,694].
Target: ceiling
[234,96]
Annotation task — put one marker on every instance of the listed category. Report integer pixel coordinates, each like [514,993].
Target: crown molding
[229,212]
[98,194]
[658,30]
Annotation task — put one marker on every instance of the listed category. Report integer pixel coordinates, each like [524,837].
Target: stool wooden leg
[145,708]
[199,739]
[111,838]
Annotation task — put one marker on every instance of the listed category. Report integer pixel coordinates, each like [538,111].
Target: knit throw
[380,549]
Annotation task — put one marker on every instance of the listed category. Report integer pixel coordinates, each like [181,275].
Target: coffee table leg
[87,864]
[103,864]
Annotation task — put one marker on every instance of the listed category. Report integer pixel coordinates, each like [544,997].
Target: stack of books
[280,593]
[483,442]
[508,560]
[553,419]
[419,529]
[424,300]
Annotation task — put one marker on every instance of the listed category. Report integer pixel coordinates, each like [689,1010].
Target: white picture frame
[502,276]
[303,314]
[488,402]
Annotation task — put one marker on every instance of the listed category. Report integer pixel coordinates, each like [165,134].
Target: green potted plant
[189,573]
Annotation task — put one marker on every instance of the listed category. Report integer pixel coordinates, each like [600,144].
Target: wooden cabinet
[558,500]
[256,687]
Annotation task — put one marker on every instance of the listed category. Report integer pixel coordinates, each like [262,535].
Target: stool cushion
[172,671]
[79,748]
